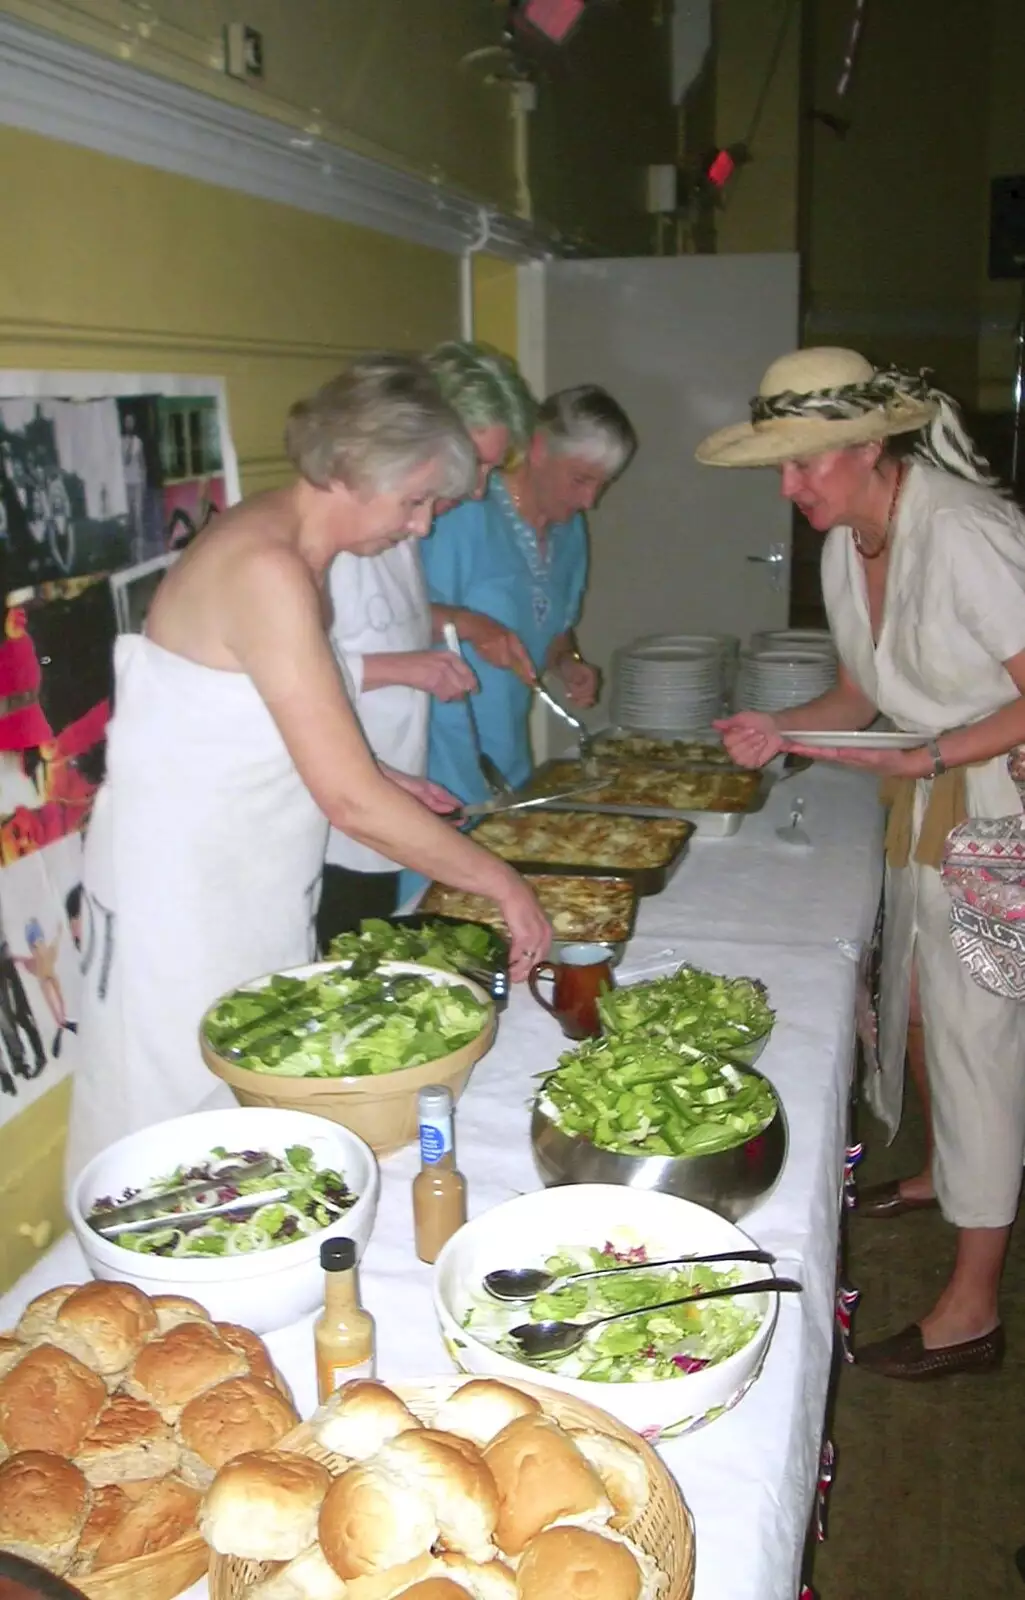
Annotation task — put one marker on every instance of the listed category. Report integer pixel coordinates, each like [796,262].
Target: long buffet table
[794,916]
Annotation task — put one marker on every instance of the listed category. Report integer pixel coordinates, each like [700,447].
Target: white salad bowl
[266,1289]
[524,1232]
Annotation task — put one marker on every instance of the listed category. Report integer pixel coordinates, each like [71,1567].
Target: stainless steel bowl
[730,1182]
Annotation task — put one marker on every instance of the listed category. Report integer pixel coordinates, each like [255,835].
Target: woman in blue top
[519,556]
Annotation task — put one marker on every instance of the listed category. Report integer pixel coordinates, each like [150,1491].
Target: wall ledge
[65,91]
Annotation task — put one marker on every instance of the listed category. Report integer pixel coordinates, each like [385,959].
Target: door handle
[770,561]
[776,561]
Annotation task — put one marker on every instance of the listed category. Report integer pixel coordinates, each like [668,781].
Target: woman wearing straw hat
[923,576]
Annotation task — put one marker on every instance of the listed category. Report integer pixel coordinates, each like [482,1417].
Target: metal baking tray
[578,937]
[707,822]
[646,880]
[609,736]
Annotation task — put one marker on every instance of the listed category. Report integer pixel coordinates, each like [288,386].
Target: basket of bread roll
[116,1413]
[445,1488]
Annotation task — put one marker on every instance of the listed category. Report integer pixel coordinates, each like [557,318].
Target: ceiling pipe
[466,317]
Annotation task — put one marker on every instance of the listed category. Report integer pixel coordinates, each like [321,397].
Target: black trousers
[346,897]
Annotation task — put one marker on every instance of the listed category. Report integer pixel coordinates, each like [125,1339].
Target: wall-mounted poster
[104,479]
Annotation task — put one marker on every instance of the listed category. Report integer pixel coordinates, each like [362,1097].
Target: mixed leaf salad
[337,1024]
[641,1349]
[641,1096]
[449,945]
[724,1016]
[314,1197]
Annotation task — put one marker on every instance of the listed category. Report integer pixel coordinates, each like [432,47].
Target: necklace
[873,555]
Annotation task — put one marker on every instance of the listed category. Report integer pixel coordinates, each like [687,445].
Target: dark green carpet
[928,1501]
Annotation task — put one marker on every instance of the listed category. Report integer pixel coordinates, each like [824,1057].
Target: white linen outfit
[380,605]
[954,612]
[202,870]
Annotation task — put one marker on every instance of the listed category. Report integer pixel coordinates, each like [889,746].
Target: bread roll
[433,1589]
[490,1580]
[541,1478]
[576,1564]
[481,1408]
[11,1352]
[359,1418]
[394,1581]
[452,1474]
[255,1352]
[229,1420]
[265,1506]
[44,1502]
[129,1441]
[372,1520]
[309,1577]
[109,1505]
[37,1319]
[104,1325]
[49,1402]
[622,1470]
[171,1309]
[174,1369]
[162,1517]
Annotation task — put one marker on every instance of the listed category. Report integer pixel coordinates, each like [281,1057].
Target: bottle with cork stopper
[439,1189]
[343,1334]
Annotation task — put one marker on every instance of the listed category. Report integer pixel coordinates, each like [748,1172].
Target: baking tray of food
[647,850]
[617,746]
[580,909]
[715,802]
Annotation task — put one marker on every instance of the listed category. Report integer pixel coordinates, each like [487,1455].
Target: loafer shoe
[884,1200]
[905,1356]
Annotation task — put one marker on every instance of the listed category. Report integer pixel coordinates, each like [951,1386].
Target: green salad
[641,1349]
[451,946]
[655,1097]
[314,1198]
[724,1016]
[335,1024]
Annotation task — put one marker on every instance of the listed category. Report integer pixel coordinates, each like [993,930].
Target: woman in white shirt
[923,577]
[384,630]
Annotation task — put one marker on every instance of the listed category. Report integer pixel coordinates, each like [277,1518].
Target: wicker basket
[159,1576]
[664,1529]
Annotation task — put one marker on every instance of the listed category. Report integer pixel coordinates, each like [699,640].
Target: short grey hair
[485,387]
[588,423]
[376,423]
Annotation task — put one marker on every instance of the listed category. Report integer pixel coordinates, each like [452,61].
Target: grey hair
[376,423]
[485,387]
[588,423]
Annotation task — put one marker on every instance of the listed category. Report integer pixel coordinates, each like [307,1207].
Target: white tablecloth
[751,904]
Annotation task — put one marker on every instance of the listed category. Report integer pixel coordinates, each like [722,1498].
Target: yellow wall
[495,303]
[390,78]
[897,209]
[1000,302]
[31,1189]
[758,86]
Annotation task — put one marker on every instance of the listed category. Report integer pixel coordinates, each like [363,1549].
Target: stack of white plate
[669,683]
[773,680]
[802,639]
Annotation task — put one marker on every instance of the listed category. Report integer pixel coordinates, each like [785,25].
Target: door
[681,342]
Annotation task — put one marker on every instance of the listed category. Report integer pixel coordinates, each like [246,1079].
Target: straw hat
[820,399]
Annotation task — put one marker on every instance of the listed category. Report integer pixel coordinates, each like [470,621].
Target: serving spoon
[540,1341]
[526,1283]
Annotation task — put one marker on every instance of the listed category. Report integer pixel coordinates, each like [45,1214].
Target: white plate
[866,740]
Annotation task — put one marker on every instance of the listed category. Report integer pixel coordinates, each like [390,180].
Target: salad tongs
[159,1207]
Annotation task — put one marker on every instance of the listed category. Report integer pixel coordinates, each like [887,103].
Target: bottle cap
[338,1255]
[435,1101]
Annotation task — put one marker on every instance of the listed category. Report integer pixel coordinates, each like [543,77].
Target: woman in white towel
[233,747]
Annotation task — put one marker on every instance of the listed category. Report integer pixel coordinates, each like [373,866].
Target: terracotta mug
[579,977]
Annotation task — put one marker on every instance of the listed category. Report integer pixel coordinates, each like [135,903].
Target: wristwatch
[938,764]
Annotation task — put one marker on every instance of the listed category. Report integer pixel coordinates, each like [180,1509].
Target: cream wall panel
[31,1182]
[123,267]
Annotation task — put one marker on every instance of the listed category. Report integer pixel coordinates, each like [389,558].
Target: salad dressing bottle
[343,1334]
[439,1190]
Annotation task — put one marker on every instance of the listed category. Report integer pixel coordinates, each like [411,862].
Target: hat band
[942,442]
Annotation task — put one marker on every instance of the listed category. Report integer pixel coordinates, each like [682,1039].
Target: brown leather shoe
[884,1200]
[904,1355]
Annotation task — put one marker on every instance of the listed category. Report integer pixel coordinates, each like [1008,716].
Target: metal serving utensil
[584,736]
[495,779]
[526,1283]
[252,1031]
[225,1174]
[541,1341]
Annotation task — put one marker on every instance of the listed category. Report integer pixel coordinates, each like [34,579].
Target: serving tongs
[154,1209]
[356,1018]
